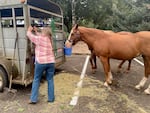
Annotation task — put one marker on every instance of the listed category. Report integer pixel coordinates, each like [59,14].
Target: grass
[94,97]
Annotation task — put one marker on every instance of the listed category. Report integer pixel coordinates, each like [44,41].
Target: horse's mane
[86,29]
[92,31]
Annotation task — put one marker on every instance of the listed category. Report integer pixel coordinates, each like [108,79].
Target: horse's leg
[147,72]
[91,61]
[92,57]
[95,64]
[147,91]
[120,65]
[108,74]
[128,68]
[129,65]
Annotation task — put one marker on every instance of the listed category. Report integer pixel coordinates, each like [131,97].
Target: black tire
[3,79]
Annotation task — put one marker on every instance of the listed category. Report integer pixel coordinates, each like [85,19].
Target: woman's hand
[30,28]
[35,28]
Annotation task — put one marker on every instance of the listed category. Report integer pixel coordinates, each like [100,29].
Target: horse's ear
[76,26]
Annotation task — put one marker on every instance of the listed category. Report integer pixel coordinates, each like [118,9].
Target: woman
[44,61]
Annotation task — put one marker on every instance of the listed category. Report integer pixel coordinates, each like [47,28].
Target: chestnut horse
[93,56]
[94,64]
[116,46]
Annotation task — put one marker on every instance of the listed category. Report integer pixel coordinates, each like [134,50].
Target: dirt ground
[93,97]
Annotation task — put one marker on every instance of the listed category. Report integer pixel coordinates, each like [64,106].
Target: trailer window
[58,27]
[57,19]
[38,22]
[39,14]
[18,11]
[45,19]
[7,23]
[6,12]
[20,22]
[46,5]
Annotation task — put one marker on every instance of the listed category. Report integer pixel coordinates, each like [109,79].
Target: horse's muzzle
[68,44]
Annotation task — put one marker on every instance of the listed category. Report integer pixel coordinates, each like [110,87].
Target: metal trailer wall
[8,37]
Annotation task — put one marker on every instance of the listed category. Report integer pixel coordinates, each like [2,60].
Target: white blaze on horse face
[142,83]
[70,34]
[67,43]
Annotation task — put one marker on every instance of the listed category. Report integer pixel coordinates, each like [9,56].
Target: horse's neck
[90,35]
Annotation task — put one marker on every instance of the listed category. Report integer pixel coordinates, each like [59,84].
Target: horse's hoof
[119,70]
[127,71]
[110,81]
[106,84]
[138,87]
[147,91]
[93,71]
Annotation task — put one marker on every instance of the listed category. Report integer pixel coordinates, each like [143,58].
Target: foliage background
[116,15]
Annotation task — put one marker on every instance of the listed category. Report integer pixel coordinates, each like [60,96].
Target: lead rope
[53,36]
[12,64]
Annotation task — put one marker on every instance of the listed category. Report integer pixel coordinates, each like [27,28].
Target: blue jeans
[49,68]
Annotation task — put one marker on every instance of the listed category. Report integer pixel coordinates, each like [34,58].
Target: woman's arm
[31,36]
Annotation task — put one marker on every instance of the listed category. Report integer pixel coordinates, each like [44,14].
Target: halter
[76,35]
[70,41]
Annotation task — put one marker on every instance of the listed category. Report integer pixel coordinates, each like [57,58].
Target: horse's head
[74,36]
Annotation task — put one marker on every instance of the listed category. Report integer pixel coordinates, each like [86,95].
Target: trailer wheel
[3,79]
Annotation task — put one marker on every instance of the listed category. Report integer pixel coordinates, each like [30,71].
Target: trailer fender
[6,64]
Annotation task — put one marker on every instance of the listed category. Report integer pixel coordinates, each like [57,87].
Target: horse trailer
[16,51]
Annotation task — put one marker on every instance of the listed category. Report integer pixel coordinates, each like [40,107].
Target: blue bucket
[67,51]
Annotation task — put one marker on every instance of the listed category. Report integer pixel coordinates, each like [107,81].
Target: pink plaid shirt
[43,48]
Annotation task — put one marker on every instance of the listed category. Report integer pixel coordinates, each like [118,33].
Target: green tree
[116,15]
